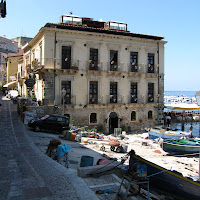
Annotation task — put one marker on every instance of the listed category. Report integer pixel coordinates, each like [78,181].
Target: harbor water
[196,125]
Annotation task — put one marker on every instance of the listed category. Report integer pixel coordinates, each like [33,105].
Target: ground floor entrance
[113,122]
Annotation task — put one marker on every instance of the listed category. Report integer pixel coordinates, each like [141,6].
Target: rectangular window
[93,96]
[93,64]
[133,92]
[93,118]
[150,92]
[113,60]
[150,63]
[67,86]
[134,61]
[113,92]
[66,57]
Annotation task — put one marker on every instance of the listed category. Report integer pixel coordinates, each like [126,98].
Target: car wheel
[37,128]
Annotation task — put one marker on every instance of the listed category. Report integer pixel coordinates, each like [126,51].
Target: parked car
[55,123]
[12,94]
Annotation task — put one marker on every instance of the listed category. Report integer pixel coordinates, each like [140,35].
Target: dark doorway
[113,122]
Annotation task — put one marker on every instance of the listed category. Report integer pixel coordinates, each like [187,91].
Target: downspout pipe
[54,75]
[158,85]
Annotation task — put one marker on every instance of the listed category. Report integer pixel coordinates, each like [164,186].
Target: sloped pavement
[26,173]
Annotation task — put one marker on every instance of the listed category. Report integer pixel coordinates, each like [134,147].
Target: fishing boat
[167,134]
[182,145]
[170,181]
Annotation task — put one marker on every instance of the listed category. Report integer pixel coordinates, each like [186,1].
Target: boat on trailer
[167,134]
[170,181]
[182,145]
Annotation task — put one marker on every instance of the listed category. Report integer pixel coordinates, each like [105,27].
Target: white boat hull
[157,133]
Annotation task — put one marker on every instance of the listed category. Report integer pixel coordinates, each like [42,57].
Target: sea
[178,93]
[196,125]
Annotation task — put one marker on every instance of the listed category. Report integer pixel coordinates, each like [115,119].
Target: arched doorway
[113,122]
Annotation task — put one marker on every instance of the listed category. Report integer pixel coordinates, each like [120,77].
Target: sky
[177,20]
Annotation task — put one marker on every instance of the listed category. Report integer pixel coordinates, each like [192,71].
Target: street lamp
[63,93]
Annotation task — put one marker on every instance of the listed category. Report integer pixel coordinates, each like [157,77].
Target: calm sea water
[178,93]
[196,125]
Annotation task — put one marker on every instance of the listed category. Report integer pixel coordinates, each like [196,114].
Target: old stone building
[98,73]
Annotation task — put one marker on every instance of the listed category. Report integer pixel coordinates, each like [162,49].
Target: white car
[12,94]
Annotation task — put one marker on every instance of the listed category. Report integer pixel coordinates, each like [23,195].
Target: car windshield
[46,116]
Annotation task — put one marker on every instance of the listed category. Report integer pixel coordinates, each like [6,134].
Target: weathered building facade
[98,73]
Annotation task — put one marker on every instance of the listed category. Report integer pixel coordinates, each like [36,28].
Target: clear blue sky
[177,20]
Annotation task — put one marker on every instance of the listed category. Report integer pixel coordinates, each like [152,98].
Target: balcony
[150,68]
[115,99]
[134,67]
[150,98]
[93,67]
[132,98]
[136,99]
[71,64]
[94,99]
[115,69]
[68,100]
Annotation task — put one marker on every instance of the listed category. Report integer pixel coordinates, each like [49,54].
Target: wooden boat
[182,145]
[167,134]
[170,181]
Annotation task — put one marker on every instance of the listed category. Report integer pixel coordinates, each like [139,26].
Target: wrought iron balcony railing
[115,99]
[94,99]
[114,66]
[67,100]
[94,65]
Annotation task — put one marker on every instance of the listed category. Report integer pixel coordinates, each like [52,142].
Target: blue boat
[182,145]
[167,180]
[167,134]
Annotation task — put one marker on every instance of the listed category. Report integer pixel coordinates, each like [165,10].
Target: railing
[93,65]
[67,100]
[94,99]
[113,66]
[71,64]
[150,98]
[136,99]
[140,68]
[115,99]
[150,68]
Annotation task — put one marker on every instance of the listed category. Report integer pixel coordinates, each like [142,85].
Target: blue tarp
[63,149]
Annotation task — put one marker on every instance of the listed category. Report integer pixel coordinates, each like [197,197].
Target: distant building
[2,67]
[9,54]
[8,46]
[109,76]
[12,67]
[22,41]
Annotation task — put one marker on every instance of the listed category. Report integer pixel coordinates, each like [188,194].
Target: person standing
[191,128]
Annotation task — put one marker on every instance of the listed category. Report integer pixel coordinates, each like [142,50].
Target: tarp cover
[63,149]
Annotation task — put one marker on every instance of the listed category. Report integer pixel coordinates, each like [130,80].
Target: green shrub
[100,128]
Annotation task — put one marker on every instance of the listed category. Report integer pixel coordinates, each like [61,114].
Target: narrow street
[26,173]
